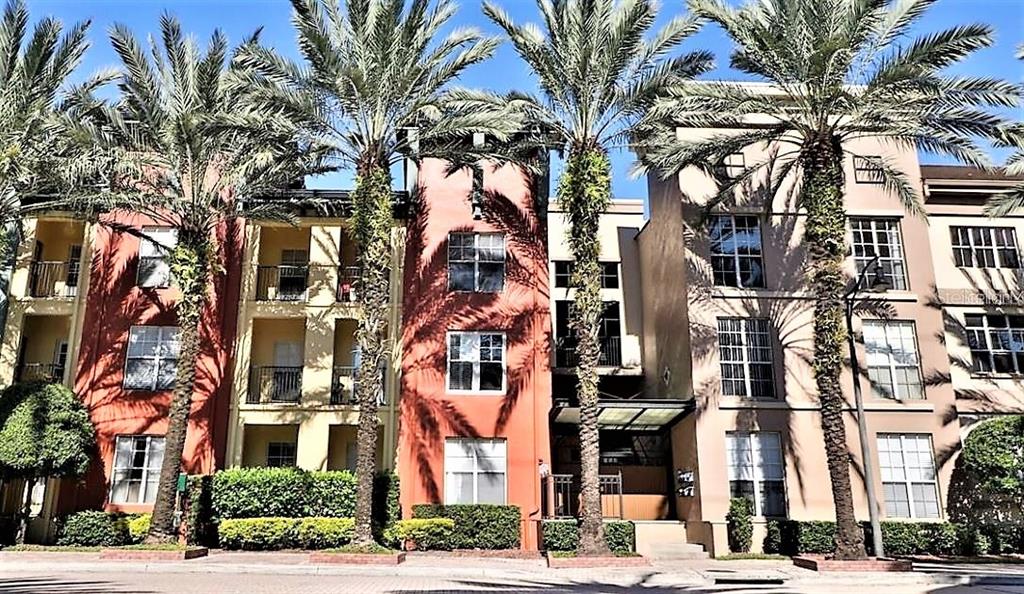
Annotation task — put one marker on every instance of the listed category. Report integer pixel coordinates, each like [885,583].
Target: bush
[271,534]
[740,524]
[94,529]
[564,535]
[200,521]
[261,492]
[332,494]
[790,537]
[426,534]
[477,526]
[939,539]
[323,533]
[138,527]
[901,538]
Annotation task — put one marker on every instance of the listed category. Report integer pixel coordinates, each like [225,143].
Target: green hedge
[269,534]
[425,534]
[563,535]
[477,526]
[791,537]
[102,529]
[740,524]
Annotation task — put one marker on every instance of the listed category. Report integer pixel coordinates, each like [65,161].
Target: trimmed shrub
[477,526]
[332,494]
[740,524]
[901,538]
[201,525]
[939,539]
[138,527]
[323,533]
[258,534]
[789,537]
[94,529]
[564,535]
[426,534]
[261,493]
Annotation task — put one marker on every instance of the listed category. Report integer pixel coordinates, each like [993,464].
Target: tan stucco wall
[258,436]
[617,233]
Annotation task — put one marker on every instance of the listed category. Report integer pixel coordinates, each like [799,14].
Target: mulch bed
[480,553]
[872,564]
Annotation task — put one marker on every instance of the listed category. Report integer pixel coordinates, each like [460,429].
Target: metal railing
[54,279]
[282,283]
[566,494]
[42,372]
[344,384]
[611,352]
[348,283]
[274,384]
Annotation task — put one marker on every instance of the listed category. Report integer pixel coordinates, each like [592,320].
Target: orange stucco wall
[114,304]
[521,311]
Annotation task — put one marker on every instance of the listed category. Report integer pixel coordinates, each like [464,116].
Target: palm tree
[1012,137]
[181,149]
[837,72]
[374,90]
[598,74]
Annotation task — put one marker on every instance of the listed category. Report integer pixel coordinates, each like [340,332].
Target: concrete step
[677,551]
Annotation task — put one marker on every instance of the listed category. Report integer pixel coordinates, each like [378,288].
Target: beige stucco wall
[324,327]
[617,232]
[258,436]
[681,307]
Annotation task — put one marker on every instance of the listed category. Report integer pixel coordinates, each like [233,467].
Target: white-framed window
[564,270]
[281,453]
[476,262]
[996,342]
[152,359]
[137,460]
[880,237]
[154,270]
[476,362]
[867,169]
[736,251]
[732,166]
[893,364]
[985,247]
[475,471]
[907,465]
[757,471]
[745,354]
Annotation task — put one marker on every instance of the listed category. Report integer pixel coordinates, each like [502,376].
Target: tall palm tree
[838,71]
[374,89]
[1012,137]
[598,73]
[180,148]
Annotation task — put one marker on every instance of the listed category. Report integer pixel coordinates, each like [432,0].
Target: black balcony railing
[348,283]
[344,384]
[611,352]
[275,384]
[54,279]
[41,372]
[282,283]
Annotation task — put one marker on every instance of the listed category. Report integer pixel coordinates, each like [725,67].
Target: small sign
[182,482]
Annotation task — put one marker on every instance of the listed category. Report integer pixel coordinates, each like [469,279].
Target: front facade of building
[706,388]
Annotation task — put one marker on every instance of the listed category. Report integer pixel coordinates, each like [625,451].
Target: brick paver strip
[825,564]
[356,559]
[151,555]
[596,562]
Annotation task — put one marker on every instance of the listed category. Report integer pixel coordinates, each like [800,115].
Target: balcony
[345,383]
[274,385]
[41,372]
[291,283]
[611,352]
[54,279]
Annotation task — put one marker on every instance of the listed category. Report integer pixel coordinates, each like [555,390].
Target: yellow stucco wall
[258,436]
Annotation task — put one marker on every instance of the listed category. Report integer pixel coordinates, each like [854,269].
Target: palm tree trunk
[822,195]
[190,269]
[584,193]
[372,218]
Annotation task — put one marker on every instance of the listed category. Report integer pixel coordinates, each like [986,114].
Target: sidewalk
[701,573]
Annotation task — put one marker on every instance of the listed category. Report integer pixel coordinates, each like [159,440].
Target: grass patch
[373,549]
[36,548]
[752,557]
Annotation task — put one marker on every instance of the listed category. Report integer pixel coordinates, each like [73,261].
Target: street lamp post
[879,283]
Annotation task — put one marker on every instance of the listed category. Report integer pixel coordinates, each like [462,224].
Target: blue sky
[240,17]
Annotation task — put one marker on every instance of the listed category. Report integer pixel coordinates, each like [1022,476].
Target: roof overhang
[653,415]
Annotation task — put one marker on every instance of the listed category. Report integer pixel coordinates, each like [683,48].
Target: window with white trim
[609,274]
[280,453]
[880,237]
[894,368]
[867,169]
[736,251]
[731,166]
[152,360]
[475,471]
[757,471]
[907,464]
[137,460]
[745,354]
[996,343]
[476,362]
[985,247]
[476,262]
[154,271]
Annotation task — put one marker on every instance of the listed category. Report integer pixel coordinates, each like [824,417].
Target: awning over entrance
[629,415]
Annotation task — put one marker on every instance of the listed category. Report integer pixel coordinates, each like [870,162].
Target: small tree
[740,524]
[45,432]
[988,480]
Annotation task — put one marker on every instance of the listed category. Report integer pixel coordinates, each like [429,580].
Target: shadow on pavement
[540,587]
[50,585]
